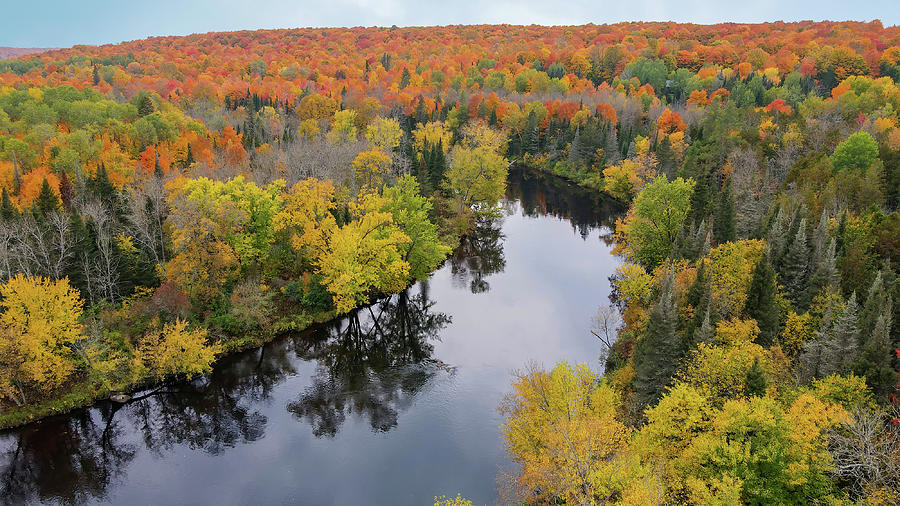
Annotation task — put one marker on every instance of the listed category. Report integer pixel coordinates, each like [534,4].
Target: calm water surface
[394,404]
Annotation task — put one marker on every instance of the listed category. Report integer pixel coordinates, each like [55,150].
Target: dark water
[392,405]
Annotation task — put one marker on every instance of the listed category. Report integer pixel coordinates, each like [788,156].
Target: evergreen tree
[102,187]
[874,363]
[658,352]
[776,236]
[189,157]
[8,211]
[145,105]
[46,201]
[404,78]
[760,303]
[841,345]
[795,264]
[756,383]
[705,333]
[724,225]
[877,303]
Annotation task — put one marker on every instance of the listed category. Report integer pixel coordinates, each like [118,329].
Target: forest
[171,200]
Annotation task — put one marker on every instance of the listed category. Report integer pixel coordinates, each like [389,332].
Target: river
[394,404]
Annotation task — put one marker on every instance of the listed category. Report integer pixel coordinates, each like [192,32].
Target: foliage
[650,229]
[38,325]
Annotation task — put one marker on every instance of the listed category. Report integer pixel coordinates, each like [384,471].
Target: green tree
[761,305]
[410,212]
[651,227]
[659,350]
[724,224]
[859,151]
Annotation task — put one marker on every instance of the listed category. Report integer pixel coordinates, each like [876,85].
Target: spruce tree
[658,352]
[17,175]
[755,382]
[874,363]
[760,303]
[46,201]
[841,346]
[811,363]
[795,264]
[189,157]
[8,211]
[724,225]
[705,333]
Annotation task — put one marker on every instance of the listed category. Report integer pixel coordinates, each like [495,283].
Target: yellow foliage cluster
[38,325]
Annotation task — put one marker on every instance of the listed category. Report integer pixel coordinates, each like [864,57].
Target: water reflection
[72,459]
[539,194]
[478,255]
[371,363]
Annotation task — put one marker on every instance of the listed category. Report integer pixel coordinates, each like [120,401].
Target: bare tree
[605,324]
[105,264]
[866,452]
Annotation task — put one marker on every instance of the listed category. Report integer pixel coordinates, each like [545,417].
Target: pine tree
[189,157]
[404,78]
[877,304]
[760,303]
[8,211]
[658,352]
[874,363]
[102,187]
[756,383]
[724,225]
[611,148]
[841,346]
[705,333]
[46,201]
[795,264]
[776,236]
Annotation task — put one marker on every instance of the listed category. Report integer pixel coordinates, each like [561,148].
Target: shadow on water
[368,366]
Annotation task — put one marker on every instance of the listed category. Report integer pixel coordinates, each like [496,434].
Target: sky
[63,23]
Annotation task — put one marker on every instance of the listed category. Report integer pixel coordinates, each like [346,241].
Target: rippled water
[393,404]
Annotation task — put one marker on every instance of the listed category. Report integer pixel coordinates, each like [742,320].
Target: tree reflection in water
[69,459]
[540,194]
[371,363]
[479,254]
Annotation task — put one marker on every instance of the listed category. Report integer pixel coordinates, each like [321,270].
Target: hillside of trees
[167,200]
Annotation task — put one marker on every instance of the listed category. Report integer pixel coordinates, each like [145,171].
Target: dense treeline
[170,199]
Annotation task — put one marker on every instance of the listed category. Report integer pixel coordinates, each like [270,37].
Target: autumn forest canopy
[169,200]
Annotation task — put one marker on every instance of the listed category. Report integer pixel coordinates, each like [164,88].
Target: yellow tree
[175,349]
[371,167]
[38,324]
[307,217]
[430,134]
[561,429]
[384,134]
[476,178]
[363,256]
[343,130]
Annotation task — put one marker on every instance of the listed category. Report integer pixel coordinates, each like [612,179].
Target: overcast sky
[62,23]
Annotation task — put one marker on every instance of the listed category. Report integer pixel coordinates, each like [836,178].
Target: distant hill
[15,52]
